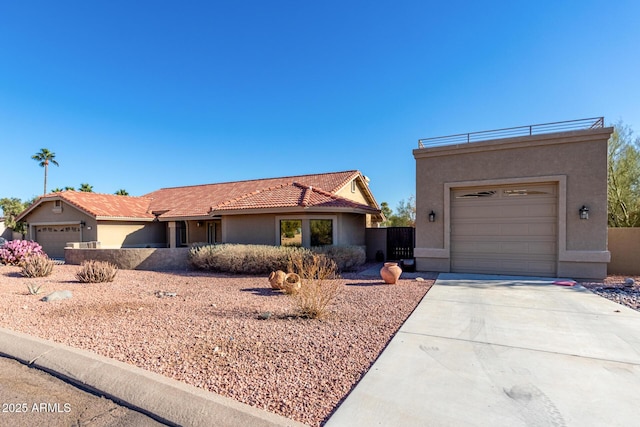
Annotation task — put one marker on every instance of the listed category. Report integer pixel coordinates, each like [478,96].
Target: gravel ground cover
[231,335]
[615,289]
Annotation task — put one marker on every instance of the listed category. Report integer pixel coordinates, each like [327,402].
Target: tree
[44,157]
[405,216]
[122,192]
[386,211]
[623,180]
[86,188]
[67,188]
[57,190]
[11,208]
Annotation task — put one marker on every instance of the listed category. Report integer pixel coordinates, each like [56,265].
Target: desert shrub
[319,285]
[15,252]
[37,266]
[242,259]
[347,257]
[96,272]
[34,288]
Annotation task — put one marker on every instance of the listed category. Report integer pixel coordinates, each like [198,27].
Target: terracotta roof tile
[105,205]
[200,200]
[316,190]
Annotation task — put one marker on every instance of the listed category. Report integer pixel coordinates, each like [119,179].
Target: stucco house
[523,201]
[308,210]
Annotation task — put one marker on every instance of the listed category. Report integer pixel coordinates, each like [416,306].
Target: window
[181,233]
[291,232]
[321,232]
[57,206]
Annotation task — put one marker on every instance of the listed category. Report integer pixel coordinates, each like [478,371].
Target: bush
[319,286]
[16,252]
[37,266]
[346,257]
[263,259]
[242,259]
[96,272]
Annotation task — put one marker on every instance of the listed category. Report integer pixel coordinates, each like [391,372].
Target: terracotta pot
[390,273]
[276,279]
[292,283]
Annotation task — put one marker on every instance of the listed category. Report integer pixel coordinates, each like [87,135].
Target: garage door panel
[511,229]
[54,238]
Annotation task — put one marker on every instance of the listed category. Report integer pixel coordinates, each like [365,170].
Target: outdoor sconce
[199,224]
[432,216]
[584,212]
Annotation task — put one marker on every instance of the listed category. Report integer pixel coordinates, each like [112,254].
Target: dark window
[321,232]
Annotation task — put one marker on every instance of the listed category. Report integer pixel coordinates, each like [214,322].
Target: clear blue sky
[142,95]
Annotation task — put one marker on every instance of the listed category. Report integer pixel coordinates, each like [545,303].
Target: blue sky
[142,95]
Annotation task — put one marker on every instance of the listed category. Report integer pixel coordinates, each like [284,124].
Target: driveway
[504,351]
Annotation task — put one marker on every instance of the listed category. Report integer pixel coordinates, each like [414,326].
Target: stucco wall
[125,234]
[352,229]
[45,214]
[249,229]
[624,245]
[376,240]
[157,259]
[576,160]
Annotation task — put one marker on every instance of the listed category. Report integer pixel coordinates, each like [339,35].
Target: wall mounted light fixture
[432,216]
[584,212]
[199,224]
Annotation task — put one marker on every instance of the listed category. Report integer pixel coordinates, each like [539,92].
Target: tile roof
[105,205]
[302,191]
[199,200]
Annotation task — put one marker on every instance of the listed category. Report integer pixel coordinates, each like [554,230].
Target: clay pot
[390,272]
[276,279]
[291,283]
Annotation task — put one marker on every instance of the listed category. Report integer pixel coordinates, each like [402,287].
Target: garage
[509,229]
[53,238]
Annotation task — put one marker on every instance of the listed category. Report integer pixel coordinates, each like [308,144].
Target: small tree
[11,208]
[623,186]
[86,188]
[122,192]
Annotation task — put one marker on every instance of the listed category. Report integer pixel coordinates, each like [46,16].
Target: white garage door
[505,230]
[53,238]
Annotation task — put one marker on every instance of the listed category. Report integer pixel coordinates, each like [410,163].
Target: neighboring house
[308,210]
[516,205]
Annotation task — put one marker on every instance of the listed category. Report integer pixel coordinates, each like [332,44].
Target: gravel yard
[615,289]
[231,335]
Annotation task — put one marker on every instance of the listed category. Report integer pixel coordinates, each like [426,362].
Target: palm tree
[67,188]
[86,188]
[57,190]
[122,192]
[45,157]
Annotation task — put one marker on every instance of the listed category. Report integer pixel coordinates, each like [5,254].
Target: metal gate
[400,242]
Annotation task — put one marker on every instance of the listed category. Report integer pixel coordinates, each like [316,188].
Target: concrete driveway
[504,351]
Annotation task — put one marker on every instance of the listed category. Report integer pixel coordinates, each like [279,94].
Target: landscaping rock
[629,281]
[162,294]
[57,296]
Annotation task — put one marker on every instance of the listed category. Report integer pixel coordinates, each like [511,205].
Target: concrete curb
[167,400]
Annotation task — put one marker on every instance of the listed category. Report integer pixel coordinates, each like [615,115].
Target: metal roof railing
[465,138]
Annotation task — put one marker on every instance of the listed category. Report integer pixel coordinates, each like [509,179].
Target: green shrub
[96,272]
[37,266]
[347,257]
[242,259]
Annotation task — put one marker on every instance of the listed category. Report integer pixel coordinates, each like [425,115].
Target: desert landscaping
[228,334]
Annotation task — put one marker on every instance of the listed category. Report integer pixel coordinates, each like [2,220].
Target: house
[521,201]
[307,210]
